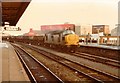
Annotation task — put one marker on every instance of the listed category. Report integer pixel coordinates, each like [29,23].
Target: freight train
[63,39]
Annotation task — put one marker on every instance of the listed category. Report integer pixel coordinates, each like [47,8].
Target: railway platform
[101,46]
[111,52]
[11,68]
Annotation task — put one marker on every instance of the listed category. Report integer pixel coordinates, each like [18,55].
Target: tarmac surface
[11,68]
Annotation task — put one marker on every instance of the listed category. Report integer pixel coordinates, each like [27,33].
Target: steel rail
[113,63]
[59,80]
[79,64]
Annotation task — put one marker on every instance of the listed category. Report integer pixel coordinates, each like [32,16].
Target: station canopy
[12,10]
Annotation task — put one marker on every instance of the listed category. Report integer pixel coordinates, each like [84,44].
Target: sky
[78,12]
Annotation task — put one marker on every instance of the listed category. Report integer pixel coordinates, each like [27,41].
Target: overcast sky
[49,12]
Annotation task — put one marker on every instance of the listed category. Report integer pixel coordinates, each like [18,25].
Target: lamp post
[85,40]
[0,40]
[118,39]
[0,21]
[98,36]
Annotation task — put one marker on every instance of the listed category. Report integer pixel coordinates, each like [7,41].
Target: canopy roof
[12,11]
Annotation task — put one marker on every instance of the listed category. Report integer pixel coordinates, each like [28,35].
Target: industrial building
[80,30]
[83,30]
[115,31]
[100,28]
[35,33]
[58,27]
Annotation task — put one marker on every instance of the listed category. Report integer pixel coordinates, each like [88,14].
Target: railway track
[103,60]
[96,75]
[110,62]
[82,76]
[36,71]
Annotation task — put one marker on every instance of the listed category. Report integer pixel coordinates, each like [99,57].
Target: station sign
[12,28]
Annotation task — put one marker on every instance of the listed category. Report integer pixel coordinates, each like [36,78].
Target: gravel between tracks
[61,71]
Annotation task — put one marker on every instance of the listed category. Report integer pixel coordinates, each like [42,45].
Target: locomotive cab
[71,39]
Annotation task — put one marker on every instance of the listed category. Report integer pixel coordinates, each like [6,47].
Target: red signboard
[57,27]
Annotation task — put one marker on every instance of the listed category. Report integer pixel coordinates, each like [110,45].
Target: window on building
[59,38]
[52,37]
[46,37]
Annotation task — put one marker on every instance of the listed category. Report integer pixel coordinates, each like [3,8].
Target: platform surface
[101,46]
[11,68]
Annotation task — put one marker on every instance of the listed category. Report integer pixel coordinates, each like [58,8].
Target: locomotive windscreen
[66,32]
